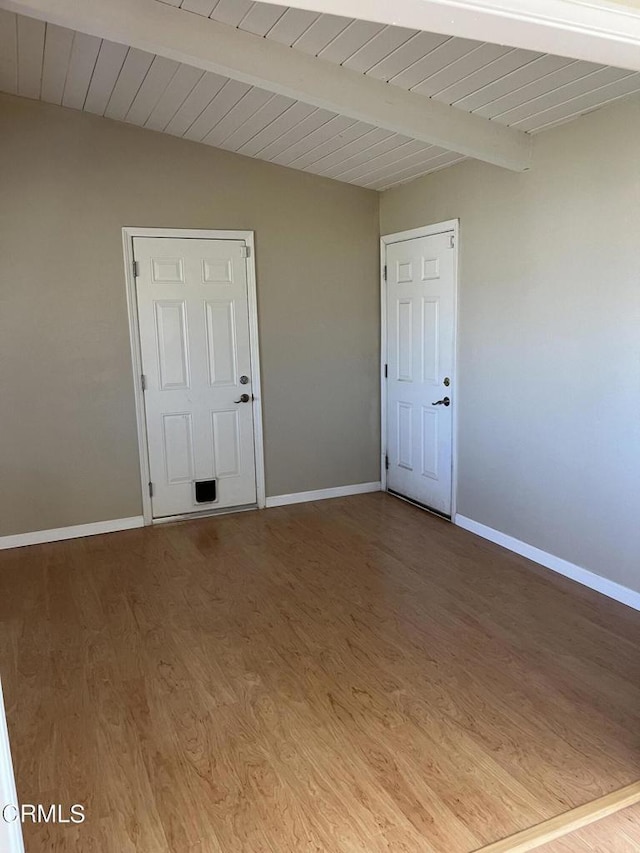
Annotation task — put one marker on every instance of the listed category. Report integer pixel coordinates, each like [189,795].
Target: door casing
[452,225]
[136,357]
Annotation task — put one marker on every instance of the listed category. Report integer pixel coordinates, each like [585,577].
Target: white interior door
[193,316]
[420,361]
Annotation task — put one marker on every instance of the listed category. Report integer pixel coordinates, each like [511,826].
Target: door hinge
[245,251]
[143,381]
[384,272]
[150,490]
[452,241]
[386,463]
[386,371]
[136,269]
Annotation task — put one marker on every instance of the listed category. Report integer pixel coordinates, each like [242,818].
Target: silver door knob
[244,398]
[444,402]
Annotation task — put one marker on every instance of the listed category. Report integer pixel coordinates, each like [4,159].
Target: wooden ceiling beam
[171,32]
[591,30]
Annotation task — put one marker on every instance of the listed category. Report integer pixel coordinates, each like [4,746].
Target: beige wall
[549,338]
[68,183]
[549,390]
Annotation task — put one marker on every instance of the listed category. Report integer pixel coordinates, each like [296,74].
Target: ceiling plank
[258,20]
[334,127]
[260,120]
[105,74]
[82,63]
[164,30]
[294,125]
[8,52]
[176,93]
[57,50]
[132,74]
[30,55]
[293,24]
[593,30]
[161,73]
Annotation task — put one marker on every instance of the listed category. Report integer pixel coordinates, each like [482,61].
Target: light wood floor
[351,675]
[619,833]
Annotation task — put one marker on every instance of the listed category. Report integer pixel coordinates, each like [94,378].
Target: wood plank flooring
[619,833]
[346,676]
[573,821]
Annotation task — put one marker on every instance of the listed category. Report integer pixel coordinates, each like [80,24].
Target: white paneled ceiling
[83,72]
[518,88]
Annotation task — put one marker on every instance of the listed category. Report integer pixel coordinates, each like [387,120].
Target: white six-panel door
[193,316]
[420,361]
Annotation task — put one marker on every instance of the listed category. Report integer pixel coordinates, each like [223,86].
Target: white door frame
[11,828]
[136,354]
[425,231]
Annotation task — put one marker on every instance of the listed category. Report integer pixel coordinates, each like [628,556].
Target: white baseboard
[563,567]
[38,537]
[10,830]
[323,494]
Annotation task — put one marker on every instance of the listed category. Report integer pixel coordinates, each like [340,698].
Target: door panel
[405,436]
[171,342]
[430,340]
[178,447]
[226,443]
[404,310]
[194,334]
[420,355]
[221,343]
[430,443]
